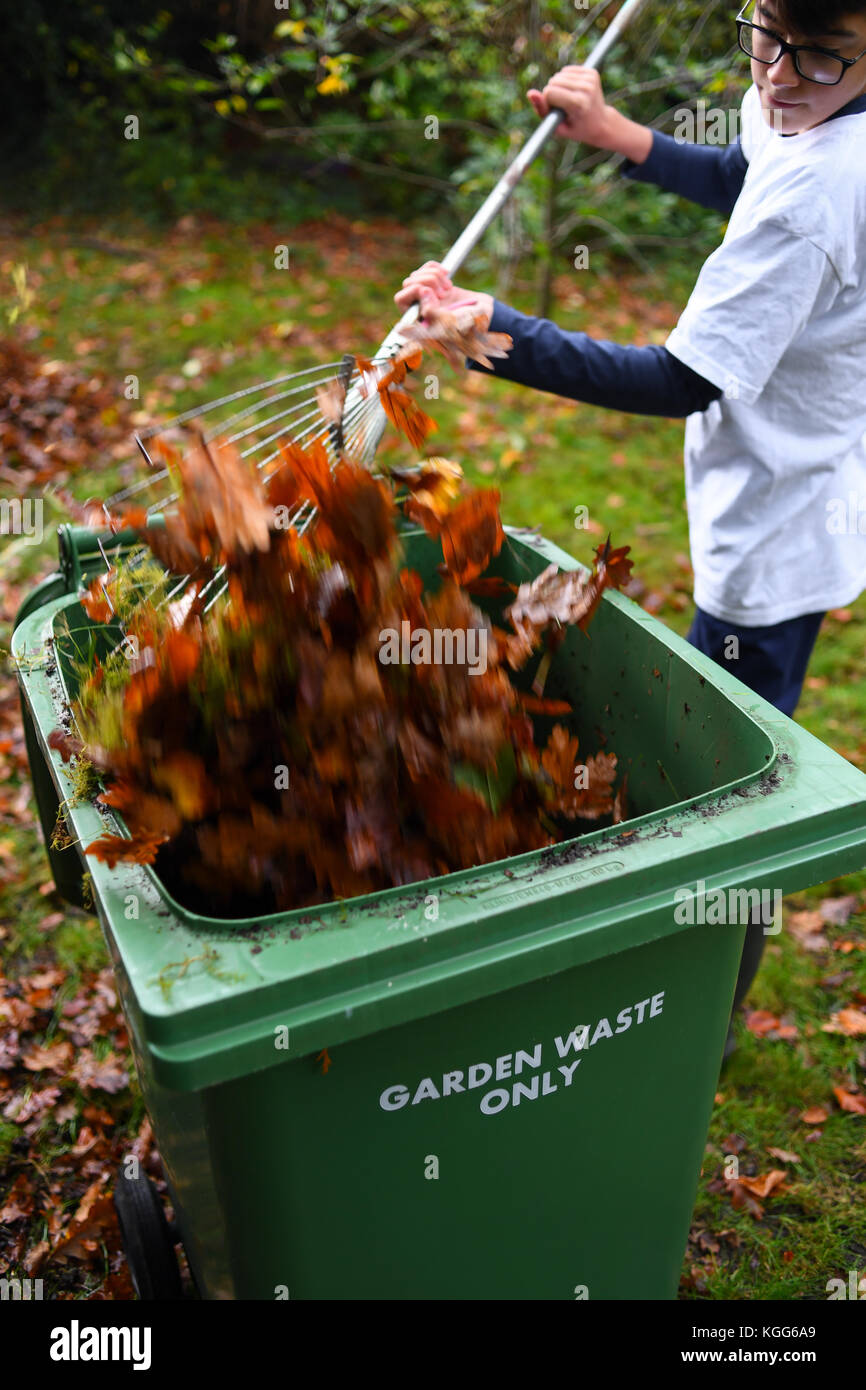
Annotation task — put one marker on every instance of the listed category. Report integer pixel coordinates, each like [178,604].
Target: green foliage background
[256,108]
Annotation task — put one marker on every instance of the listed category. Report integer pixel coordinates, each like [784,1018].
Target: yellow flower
[331,83]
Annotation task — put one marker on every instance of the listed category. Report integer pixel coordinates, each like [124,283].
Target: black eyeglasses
[815,64]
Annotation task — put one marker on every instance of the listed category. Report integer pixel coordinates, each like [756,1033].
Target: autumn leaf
[140,849]
[784,1155]
[104,1074]
[434,485]
[472,535]
[853,1102]
[773,1181]
[23,1107]
[561,598]
[581,789]
[838,910]
[332,398]
[815,1115]
[490,587]
[94,1220]
[406,415]
[67,745]
[851,1022]
[536,704]
[761,1021]
[19,1201]
[458,334]
[96,601]
[54,1058]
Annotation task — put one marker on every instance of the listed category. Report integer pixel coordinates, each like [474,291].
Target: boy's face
[792,104]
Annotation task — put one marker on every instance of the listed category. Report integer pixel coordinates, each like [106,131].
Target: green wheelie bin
[492,1085]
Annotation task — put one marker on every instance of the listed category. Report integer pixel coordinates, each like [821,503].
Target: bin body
[539,1183]
[524,1055]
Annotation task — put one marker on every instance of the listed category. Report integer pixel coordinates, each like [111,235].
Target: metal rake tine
[196,411]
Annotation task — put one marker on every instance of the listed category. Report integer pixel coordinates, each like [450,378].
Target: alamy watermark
[20,1289]
[713,125]
[22,516]
[846,516]
[438,646]
[700,906]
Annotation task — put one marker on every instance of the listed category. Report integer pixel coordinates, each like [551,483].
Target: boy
[768,360]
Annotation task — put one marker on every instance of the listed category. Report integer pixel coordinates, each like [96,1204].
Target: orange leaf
[851,1022]
[815,1115]
[534,704]
[761,1021]
[406,415]
[472,534]
[141,849]
[767,1183]
[66,744]
[855,1104]
[459,334]
[95,600]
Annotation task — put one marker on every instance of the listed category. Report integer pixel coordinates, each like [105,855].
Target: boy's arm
[711,175]
[641,380]
[732,335]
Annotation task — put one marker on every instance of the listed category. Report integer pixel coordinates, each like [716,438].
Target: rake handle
[498,197]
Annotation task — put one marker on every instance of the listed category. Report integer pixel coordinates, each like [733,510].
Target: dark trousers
[771,661]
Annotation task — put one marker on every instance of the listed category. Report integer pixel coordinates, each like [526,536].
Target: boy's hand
[431,284]
[578,92]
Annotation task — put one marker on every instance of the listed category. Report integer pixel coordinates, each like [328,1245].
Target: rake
[258,419]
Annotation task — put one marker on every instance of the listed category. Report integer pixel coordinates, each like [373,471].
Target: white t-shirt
[776,469]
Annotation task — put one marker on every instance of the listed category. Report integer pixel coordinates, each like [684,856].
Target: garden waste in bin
[495,1084]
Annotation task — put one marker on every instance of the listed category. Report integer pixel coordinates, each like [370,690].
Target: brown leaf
[406,416]
[434,485]
[472,535]
[851,1022]
[94,1219]
[332,398]
[838,910]
[815,1115]
[458,334]
[67,745]
[19,1201]
[54,1058]
[761,1021]
[743,1200]
[805,923]
[784,1155]
[106,1074]
[767,1183]
[22,1107]
[854,1103]
[140,849]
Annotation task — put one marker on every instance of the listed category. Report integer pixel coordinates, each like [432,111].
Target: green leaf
[493,784]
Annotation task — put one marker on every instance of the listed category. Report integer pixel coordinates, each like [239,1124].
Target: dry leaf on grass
[815,1115]
[851,1022]
[853,1102]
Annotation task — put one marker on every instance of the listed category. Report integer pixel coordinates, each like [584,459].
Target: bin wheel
[148,1240]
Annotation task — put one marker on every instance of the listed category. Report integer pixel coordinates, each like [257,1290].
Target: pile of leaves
[264,751]
[64,1130]
[53,417]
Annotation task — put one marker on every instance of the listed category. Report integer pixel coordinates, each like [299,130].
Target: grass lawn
[202,309]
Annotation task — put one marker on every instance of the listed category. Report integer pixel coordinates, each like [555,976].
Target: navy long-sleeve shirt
[640,380]
[711,175]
